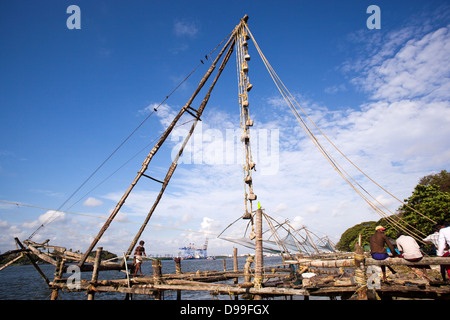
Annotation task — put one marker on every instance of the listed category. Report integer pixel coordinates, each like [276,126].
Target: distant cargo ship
[191,252]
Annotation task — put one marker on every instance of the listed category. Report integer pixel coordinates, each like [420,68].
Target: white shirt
[433,238]
[444,239]
[409,247]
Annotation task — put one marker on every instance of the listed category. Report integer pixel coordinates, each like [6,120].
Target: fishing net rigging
[278,237]
[308,126]
[291,240]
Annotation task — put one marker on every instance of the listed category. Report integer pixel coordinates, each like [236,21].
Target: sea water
[24,282]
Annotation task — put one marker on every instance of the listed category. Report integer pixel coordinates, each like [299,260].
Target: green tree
[441,179]
[350,236]
[366,230]
[432,204]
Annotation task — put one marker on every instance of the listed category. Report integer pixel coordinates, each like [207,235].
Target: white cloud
[3,224]
[53,216]
[297,222]
[418,69]
[164,112]
[335,89]
[184,28]
[92,202]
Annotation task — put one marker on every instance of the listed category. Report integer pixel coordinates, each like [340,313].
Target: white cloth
[409,247]
[433,238]
[444,239]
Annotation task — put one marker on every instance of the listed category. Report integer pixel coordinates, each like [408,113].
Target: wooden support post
[258,246]
[157,275]
[57,276]
[259,262]
[235,260]
[224,265]
[235,269]
[178,271]
[247,267]
[360,273]
[94,278]
[157,272]
[177,265]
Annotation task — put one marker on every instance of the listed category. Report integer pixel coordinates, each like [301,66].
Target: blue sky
[68,98]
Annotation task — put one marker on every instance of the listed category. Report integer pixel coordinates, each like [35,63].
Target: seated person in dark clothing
[377,249]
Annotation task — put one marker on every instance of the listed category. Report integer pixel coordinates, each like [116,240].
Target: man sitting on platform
[377,249]
[410,251]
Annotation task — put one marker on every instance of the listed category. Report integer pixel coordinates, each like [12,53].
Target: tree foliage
[350,236]
[366,230]
[430,202]
[441,179]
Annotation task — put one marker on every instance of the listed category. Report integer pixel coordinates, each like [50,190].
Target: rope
[290,100]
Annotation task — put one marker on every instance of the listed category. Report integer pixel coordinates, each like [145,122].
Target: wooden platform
[344,276]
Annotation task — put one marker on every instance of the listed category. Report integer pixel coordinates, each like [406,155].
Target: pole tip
[245,18]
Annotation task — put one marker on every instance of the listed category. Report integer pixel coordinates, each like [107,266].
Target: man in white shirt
[410,251]
[443,243]
[433,238]
[409,248]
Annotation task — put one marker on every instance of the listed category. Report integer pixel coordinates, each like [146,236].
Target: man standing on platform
[138,253]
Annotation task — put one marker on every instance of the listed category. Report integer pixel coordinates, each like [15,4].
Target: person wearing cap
[377,248]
